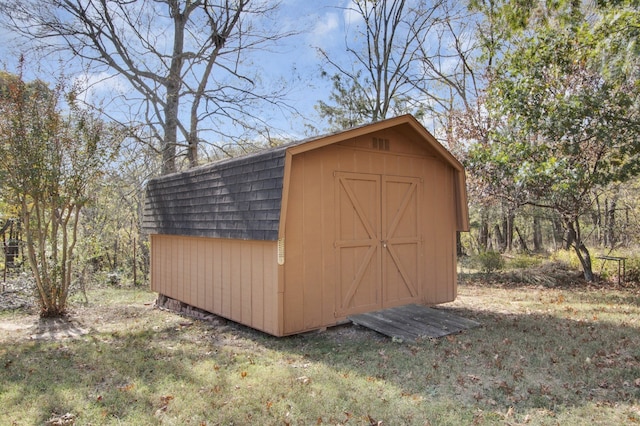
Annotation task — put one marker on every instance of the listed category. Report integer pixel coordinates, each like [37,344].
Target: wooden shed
[300,236]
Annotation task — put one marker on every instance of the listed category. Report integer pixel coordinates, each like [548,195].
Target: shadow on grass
[551,361]
[102,377]
[522,361]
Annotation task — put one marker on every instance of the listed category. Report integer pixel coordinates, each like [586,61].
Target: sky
[318,24]
[321,24]
[324,24]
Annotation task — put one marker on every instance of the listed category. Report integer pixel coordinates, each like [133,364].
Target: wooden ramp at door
[412,322]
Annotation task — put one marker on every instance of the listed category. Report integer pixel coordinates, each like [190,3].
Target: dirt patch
[19,319]
[17,298]
[57,328]
[31,327]
[13,326]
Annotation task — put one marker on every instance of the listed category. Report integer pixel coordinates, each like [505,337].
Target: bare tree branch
[177,55]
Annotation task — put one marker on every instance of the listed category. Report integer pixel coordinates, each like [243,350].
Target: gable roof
[241,197]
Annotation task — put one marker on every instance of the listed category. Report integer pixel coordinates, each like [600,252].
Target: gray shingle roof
[239,198]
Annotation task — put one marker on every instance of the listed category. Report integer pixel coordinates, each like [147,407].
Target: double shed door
[378,241]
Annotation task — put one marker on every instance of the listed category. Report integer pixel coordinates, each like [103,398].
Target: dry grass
[565,355]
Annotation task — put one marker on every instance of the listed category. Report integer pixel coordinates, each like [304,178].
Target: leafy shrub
[632,273]
[523,261]
[567,257]
[490,261]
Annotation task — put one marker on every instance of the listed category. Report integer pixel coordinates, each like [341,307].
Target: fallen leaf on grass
[164,400]
[304,380]
[63,420]
[373,422]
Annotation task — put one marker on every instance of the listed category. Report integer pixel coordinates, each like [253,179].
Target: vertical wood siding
[311,294]
[232,278]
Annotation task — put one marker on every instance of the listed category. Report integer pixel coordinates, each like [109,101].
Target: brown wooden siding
[233,278]
[311,271]
[367,219]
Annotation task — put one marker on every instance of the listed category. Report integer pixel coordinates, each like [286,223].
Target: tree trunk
[484,232]
[569,239]
[523,242]
[573,231]
[500,243]
[610,229]
[585,260]
[624,232]
[537,234]
[459,247]
[508,230]
[560,234]
[114,262]
[596,217]
[172,85]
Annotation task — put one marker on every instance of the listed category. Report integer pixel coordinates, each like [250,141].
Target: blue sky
[321,24]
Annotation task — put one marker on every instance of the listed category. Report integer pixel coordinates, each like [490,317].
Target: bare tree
[458,65]
[378,77]
[182,58]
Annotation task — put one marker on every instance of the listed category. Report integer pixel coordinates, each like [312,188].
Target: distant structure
[12,245]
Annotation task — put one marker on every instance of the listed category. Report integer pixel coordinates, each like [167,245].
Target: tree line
[538,99]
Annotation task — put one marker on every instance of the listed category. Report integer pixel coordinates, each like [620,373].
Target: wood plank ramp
[412,322]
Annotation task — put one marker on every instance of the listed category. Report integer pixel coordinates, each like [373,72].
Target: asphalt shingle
[239,198]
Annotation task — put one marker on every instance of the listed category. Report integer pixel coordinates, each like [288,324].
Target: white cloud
[351,15]
[329,24]
[101,86]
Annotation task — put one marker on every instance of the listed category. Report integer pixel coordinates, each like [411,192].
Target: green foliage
[48,159]
[349,104]
[523,261]
[566,111]
[490,261]
[568,257]
[632,273]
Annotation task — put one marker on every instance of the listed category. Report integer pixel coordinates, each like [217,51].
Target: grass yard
[568,355]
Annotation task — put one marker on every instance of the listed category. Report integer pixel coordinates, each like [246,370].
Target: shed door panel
[377,241]
[358,242]
[400,240]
